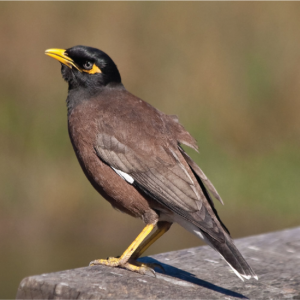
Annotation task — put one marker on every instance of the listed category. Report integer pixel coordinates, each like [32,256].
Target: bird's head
[86,67]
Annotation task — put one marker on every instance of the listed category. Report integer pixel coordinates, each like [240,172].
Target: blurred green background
[230,71]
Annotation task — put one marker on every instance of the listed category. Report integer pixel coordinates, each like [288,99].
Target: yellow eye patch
[93,70]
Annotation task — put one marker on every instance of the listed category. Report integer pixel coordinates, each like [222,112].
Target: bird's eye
[88,65]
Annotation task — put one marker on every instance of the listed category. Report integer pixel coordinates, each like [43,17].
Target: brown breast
[83,125]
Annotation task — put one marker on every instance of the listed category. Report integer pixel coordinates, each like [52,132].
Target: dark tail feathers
[233,257]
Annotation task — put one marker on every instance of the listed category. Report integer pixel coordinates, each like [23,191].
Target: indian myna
[131,154]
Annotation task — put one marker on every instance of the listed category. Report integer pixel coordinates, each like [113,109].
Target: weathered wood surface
[195,273]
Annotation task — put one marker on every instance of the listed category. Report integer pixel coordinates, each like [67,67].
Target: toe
[111,261]
[140,268]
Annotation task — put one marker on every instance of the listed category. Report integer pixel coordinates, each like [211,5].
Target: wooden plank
[195,273]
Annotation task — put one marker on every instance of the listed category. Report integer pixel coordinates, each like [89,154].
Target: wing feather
[201,174]
[170,182]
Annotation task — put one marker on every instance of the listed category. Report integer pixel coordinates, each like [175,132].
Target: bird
[132,155]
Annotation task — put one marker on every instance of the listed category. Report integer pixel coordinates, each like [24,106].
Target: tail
[232,256]
[226,248]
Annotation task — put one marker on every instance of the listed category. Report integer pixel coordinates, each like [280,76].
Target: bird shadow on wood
[188,277]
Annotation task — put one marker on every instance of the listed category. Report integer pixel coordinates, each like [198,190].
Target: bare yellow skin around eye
[93,70]
[61,56]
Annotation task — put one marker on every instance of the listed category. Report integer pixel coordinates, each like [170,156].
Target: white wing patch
[124,175]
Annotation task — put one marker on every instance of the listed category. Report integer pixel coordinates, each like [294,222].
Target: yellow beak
[61,56]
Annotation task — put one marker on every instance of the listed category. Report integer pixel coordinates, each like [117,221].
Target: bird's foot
[111,261]
[131,265]
[147,265]
[141,268]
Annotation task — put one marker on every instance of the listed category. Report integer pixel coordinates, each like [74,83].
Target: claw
[156,265]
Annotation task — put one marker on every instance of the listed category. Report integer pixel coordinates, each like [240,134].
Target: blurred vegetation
[230,71]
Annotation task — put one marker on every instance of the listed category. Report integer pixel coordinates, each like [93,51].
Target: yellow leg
[122,260]
[162,228]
